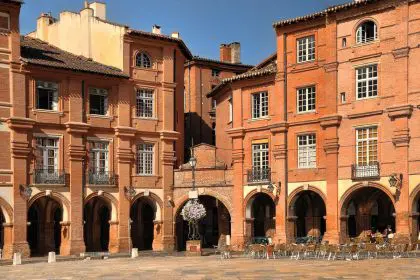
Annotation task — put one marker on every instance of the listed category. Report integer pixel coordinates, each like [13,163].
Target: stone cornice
[331,67]
[330,121]
[365,114]
[167,85]
[401,52]
[280,151]
[167,135]
[400,111]
[331,146]
[21,123]
[238,156]
[125,131]
[168,158]
[279,128]
[401,138]
[77,127]
[76,152]
[236,132]
[20,149]
[125,155]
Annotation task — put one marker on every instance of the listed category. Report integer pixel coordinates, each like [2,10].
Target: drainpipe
[286,177]
[84,158]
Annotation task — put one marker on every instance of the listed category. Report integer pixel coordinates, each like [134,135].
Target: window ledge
[35,111]
[259,119]
[145,175]
[306,112]
[49,185]
[358,45]
[99,116]
[146,119]
[100,186]
[367,98]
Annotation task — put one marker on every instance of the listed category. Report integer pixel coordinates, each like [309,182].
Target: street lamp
[193,163]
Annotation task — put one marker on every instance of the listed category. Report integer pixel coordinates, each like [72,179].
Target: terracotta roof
[332,9]
[163,37]
[37,52]
[209,60]
[266,67]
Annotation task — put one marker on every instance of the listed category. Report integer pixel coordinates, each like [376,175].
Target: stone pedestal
[193,248]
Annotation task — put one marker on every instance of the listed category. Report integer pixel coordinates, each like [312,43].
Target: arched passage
[2,221]
[366,208]
[144,213]
[415,214]
[260,215]
[97,215]
[213,228]
[306,214]
[44,231]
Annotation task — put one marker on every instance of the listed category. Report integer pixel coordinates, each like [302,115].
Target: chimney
[156,29]
[235,48]
[225,53]
[175,35]
[99,9]
[42,24]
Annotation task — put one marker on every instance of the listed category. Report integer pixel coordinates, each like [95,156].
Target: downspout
[286,177]
[84,158]
[201,105]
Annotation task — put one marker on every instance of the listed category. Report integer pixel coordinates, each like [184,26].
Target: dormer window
[366,32]
[4,22]
[143,60]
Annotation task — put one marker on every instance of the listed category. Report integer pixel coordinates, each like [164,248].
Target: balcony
[101,178]
[363,172]
[49,177]
[259,175]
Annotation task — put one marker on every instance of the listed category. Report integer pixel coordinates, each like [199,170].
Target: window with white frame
[306,98]
[98,156]
[145,154]
[215,73]
[143,60]
[307,151]
[259,105]
[145,103]
[46,158]
[367,81]
[366,32]
[260,156]
[4,21]
[306,49]
[98,101]
[367,145]
[230,109]
[46,95]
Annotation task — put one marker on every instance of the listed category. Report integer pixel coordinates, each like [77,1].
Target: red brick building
[325,145]
[92,146]
[201,76]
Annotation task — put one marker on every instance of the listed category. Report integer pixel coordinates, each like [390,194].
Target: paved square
[214,268]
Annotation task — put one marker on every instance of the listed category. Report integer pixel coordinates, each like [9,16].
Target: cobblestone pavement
[214,268]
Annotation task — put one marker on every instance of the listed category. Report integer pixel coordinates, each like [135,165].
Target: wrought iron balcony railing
[258,174]
[101,178]
[49,176]
[362,172]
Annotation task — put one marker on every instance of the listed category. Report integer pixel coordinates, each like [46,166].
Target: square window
[306,49]
[367,81]
[306,99]
[46,95]
[98,101]
[259,105]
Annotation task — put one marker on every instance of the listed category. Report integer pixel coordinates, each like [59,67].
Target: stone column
[238,220]
[157,236]
[65,239]
[330,126]
[291,228]
[125,160]
[21,150]
[7,240]
[279,170]
[249,227]
[76,156]
[113,246]
[168,159]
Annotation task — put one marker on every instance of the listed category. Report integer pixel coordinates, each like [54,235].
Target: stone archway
[260,213]
[6,214]
[146,222]
[365,208]
[213,228]
[100,225]
[415,213]
[306,213]
[45,214]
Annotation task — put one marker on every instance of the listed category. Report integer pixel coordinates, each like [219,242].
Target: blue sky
[203,24]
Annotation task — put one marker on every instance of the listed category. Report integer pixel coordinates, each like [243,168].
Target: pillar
[21,150]
[76,156]
[113,246]
[125,161]
[330,127]
[238,219]
[157,236]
